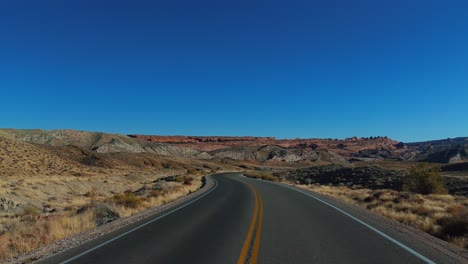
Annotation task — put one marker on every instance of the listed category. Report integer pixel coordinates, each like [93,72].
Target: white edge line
[398,243]
[138,227]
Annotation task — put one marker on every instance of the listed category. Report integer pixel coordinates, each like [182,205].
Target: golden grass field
[31,229]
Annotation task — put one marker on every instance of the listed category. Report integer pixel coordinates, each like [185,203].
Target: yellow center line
[257,221]
[248,239]
[258,234]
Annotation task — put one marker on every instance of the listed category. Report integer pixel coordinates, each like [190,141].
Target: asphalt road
[249,221]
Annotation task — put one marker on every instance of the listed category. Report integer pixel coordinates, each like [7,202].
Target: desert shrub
[156,193]
[455,209]
[178,179]
[127,199]
[192,171]
[424,179]
[186,180]
[421,211]
[30,211]
[268,176]
[455,225]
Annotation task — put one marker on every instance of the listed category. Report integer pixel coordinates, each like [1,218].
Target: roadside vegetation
[424,204]
[425,179]
[261,175]
[31,229]
[444,216]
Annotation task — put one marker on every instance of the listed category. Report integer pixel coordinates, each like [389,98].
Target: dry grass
[26,159]
[268,176]
[41,184]
[158,197]
[27,233]
[127,199]
[30,230]
[443,216]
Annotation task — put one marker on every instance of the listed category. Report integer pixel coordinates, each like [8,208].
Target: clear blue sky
[266,68]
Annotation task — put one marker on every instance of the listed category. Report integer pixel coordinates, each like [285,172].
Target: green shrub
[425,179]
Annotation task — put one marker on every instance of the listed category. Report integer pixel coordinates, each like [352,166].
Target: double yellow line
[255,232]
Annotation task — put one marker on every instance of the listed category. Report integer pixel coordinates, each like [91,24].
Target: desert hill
[214,143]
[24,158]
[450,150]
[51,171]
[76,153]
[257,149]
[320,150]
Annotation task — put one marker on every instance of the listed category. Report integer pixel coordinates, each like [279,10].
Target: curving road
[243,220]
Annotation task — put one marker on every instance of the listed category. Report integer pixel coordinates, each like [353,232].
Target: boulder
[104,213]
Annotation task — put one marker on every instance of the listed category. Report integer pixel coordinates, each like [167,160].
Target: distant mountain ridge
[214,143]
[261,149]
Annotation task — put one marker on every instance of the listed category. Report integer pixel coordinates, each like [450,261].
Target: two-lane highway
[247,221]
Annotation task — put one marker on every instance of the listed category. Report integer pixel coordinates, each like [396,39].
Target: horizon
[240,136]
[303,69]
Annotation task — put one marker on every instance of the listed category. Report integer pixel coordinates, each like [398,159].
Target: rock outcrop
[347,147]
[191,139]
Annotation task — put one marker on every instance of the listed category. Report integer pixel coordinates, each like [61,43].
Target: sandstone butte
[207,143]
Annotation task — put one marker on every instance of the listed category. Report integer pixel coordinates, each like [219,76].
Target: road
[250,221]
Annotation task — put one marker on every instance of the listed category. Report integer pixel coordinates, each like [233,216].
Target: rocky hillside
[99,142]
[40,153]
[258,149]
[344,147]
[204,148]
[439,151]
[265,149]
